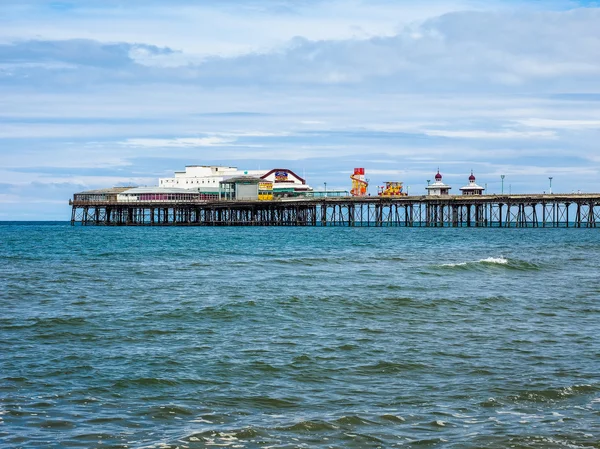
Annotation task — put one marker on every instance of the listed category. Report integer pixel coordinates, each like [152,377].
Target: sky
[101,93]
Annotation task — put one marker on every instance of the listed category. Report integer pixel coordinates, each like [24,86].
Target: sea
[298,337]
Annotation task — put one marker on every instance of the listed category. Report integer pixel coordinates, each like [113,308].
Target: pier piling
[521,211]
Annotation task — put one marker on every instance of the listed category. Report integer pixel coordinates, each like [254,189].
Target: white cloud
[560,124]
[482,134]
[255,134]
[529,50]
[312,122]
[374,171]
[204,29]
[182,142]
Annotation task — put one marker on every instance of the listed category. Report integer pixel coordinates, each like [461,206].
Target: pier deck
[556,210]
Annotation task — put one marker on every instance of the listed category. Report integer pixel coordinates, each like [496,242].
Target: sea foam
[489,260]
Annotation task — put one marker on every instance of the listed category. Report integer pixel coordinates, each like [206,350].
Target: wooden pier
[522,211]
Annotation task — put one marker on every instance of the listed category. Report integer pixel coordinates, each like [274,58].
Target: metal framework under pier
[522,211]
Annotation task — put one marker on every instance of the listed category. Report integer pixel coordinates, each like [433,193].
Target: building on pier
[206,179]
[248,188]
[286,183]
[100,195]
[438,188]
[472,188]
[157,194]
[359,183]
[265,190]
[392,188]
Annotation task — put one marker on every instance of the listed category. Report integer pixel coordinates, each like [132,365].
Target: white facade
[438,188]
[472,188]
[284,179]
[203,177]
[206,178]
[157,194]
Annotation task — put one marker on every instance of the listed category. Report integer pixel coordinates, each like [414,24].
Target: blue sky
[101,93]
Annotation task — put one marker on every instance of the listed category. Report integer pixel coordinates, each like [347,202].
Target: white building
[199,177]
[206,179]
[472,188]
[164,194]
[438,188]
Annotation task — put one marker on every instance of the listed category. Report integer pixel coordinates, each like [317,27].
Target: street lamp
[550,178]
[325,189]
[502,176]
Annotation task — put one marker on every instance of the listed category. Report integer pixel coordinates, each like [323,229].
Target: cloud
[78,52]
[221,28]
[561,124]
[482,134]
[530,50]
[181,142]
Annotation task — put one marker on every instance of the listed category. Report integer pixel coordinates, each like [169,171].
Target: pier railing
[557,210]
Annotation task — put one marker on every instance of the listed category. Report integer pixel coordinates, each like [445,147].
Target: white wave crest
[491,260]
[499,260]
[454,264]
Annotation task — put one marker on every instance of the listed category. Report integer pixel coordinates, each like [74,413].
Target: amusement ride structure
[359,183]
[392,188]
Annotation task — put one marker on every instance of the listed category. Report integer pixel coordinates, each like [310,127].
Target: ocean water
[299,337]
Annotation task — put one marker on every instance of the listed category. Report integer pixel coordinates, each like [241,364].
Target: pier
[498,211]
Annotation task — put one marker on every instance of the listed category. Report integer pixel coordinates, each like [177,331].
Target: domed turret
[472,188]
[438,187]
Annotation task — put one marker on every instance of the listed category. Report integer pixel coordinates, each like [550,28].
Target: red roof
[302,180]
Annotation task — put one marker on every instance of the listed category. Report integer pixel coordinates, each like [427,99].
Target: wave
[269,402]
[488,260]
[393,418]
[66,335]
[223,438]
[492,262]
[145,382]
[167,411]
[391,367]
[554,394]
[159,382]
[264,367]
[308,261]
[353,420]
[57,424]
[309,426]
[59,321]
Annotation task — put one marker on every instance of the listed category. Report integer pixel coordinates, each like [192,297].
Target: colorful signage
[281,176]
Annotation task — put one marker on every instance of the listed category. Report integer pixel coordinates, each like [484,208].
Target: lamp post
[502,177]
[550,178]
[325,189]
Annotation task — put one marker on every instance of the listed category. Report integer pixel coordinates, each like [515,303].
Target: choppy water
[299,337]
